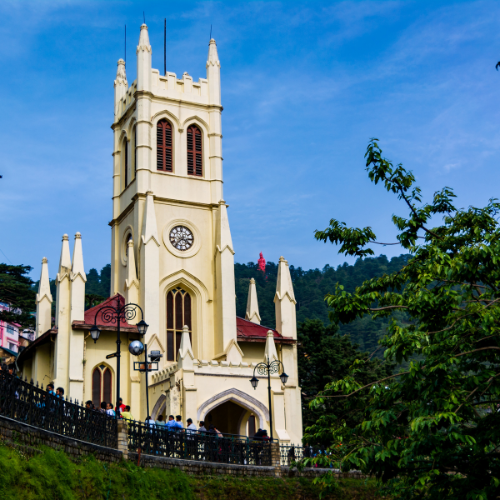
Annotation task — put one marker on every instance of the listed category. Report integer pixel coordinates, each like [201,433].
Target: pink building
[9,332]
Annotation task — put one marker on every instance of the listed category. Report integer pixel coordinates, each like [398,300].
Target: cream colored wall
[95,355]
[42,364]
[253,352]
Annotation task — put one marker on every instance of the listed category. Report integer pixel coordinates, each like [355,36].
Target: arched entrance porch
[234,412]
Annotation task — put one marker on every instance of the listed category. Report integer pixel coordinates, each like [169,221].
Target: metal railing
[290,453]
[25,402]
[194,445]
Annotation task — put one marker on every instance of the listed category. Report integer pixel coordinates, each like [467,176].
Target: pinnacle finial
[121,73]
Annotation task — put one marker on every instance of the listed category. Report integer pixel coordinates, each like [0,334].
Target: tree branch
[365,386]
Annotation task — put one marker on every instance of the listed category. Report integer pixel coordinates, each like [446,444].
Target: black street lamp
[269,369]
[136,348]
[114,315]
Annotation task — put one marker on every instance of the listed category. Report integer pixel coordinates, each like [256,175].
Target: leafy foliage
[324,356]
[16,290]
[431,431]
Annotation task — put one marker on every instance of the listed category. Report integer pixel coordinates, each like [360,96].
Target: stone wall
[28,438]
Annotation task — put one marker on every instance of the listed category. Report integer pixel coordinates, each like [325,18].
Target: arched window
[125,145]
[164,146]
[178,315]
[102,385]
[194,151]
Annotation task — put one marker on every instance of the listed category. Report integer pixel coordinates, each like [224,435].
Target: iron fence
[194,445]
[25,402]
[290,453]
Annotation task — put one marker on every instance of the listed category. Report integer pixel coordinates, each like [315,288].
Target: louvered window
[194,151]
[164,146]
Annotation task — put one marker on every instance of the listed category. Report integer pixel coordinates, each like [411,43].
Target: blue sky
[304,87]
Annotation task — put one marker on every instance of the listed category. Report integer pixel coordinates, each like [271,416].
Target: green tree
[16,290]
[324,356]
[430,431]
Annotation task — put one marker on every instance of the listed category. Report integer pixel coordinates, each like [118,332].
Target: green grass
[51,475]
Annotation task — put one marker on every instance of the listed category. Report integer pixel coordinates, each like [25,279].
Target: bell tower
[171,242]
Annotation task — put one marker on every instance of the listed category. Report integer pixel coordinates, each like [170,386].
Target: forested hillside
[310,289]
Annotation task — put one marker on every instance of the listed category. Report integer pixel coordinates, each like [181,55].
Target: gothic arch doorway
[231,409]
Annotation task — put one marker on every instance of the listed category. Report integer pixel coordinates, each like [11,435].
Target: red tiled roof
[112,301]
[249,331]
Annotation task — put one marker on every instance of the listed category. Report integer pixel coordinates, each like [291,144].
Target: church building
[173,255]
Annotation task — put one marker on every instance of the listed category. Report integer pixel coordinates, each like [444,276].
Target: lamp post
[137,348]
[269,369]
[115,314]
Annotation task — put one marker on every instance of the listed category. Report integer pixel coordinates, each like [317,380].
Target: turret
[143,112]
[252,312]
[213,73]
[214,99]
[43,301]
[144,52]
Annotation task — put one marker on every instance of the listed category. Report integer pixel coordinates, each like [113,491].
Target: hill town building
[172,254]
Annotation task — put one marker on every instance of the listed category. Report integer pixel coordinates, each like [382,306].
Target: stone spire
[121,86]
[284,302]
[63,317]
[185,347]
[77,313]
[43,301]
[144,52]
[150,267]
[65,259]
[121,74]
[149,227]
[77,266]
[131,282]
[270,353]
[78,280]
[225,289]
[252,313]
[213,73]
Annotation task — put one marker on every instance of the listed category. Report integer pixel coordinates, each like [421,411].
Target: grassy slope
[51,475]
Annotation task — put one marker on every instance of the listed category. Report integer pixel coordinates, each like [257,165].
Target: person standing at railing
[150,422]
[201,428]
[109,410]
[160,422]
[127,415]
[191,428]
[103,407]
[120,407]
[178,426]
[50,389]
[171,423]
